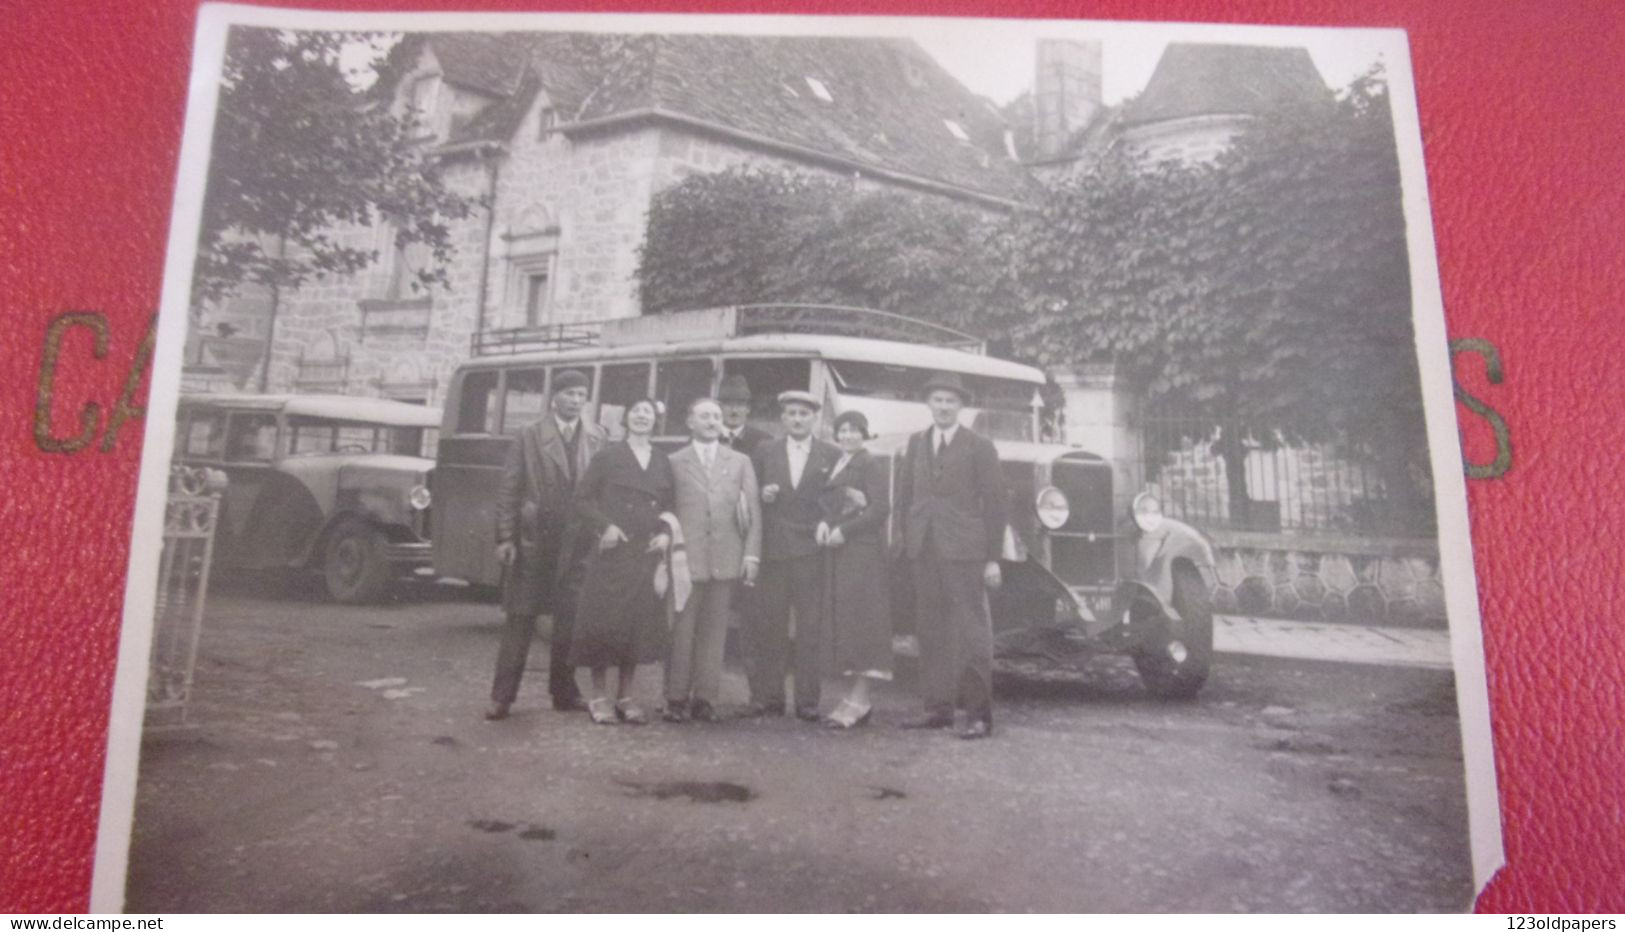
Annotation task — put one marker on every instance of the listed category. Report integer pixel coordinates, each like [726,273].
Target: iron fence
[183,584]
[1218,476]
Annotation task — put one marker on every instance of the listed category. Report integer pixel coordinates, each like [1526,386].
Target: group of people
[642,557]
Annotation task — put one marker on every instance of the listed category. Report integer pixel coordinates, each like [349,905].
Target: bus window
[476,403]
[524,399]
[678,382]
[307,436]
[622,384]
[768,377]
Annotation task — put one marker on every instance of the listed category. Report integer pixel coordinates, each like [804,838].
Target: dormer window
[425,99]
[819,90]
[956,131]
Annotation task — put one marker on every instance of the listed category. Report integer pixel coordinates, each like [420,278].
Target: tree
[1269,291]
[297,153]
[750,236]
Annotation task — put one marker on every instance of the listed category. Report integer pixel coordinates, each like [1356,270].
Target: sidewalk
[1342,643]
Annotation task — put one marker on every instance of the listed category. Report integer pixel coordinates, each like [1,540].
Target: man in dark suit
[737,432]
[535,518]
[950,501]
[792,473]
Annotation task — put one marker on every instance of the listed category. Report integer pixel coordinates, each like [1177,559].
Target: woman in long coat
[854,505]
[620,620]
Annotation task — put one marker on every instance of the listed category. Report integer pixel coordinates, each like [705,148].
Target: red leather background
[1522,104]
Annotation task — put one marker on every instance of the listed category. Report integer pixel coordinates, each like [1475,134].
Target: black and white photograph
[715,464]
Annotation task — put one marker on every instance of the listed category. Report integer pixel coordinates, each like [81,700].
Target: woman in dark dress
[854,505]
[620,620]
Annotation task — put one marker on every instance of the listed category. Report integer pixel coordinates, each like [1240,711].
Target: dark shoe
[974,729]
[701,711]
[930,720]
[676,711]
[496,711]
[762,709]
[568,703]
[807,713]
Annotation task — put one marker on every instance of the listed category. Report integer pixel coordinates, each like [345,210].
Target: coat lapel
[552,445]
[691,461]
[778,464]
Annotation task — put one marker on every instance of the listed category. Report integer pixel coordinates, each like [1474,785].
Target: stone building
[1199,97]
[568,137]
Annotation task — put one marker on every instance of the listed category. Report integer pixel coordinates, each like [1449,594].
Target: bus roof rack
[738,320]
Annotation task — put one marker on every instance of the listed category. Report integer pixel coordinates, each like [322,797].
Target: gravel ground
[340,763]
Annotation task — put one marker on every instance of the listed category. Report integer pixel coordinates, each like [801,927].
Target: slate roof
[890,98]
[1199,80]
[890,101]
[490,63]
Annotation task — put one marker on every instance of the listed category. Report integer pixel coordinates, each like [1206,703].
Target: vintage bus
[1080,577]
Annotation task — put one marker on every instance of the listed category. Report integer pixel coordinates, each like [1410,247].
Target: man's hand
[992,576]
[770,492]
[821,536]
[659,543]
[507,553]
[750,568]
[611,538]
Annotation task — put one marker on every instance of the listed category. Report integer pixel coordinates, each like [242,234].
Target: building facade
[568,138]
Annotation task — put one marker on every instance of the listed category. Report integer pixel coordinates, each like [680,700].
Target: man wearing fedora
[792,472]
[737,432]
[950,501]
[535,520]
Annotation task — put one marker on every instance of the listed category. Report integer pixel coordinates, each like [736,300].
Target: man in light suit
[535,518]
[721,519]
[793,471]
[950,501]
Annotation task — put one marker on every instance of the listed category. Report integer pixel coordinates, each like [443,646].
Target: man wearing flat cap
[737,432]
[536,543]
[792,472]
[950,502]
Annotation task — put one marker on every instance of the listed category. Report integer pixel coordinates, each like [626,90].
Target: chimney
[1066,92]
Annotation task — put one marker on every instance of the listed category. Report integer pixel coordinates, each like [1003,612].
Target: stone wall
[1306,576]
[1330,579]
[1100,415]
[400,348]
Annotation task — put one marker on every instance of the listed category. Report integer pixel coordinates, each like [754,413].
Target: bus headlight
[1053,508]
[418,498]
[1147,512]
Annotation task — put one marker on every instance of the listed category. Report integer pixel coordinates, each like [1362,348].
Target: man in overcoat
[719,512]
[535,518]
[950,500]
[737,431]
[792,471]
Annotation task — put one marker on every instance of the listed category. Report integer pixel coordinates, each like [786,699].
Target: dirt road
[341,764]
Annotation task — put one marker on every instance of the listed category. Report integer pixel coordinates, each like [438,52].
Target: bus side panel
[467,480]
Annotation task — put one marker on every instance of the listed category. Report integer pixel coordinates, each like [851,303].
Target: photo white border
[1427,313]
